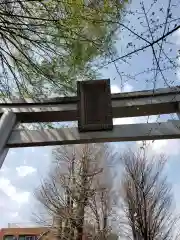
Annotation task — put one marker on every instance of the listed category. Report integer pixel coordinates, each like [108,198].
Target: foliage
[47,45]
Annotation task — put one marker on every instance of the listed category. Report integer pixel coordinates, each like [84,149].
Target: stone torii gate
[94,107]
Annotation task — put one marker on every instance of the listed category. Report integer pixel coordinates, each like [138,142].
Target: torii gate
[94,107]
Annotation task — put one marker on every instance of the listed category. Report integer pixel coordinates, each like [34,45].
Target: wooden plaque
[94,105]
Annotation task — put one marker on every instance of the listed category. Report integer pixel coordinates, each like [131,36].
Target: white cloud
[4,169]
[11,152]
[116,89]
[11,191]
[128,88]
[118,121]
[33,149]
[25,170]
[167,147]
[131,120]
[15,215]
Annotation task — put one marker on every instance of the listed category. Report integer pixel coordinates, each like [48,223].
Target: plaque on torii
[94,106]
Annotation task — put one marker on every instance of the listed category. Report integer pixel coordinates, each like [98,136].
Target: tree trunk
[83,199]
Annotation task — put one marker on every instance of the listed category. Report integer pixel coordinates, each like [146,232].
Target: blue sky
[24,168]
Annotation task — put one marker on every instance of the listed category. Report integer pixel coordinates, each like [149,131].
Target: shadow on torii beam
[64,136]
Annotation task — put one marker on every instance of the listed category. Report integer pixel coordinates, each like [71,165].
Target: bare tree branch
[77,194]
[147,198]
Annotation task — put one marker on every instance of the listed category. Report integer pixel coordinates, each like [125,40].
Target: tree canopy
[47,45]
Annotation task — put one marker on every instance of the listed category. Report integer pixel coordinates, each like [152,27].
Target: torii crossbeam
[143,103]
